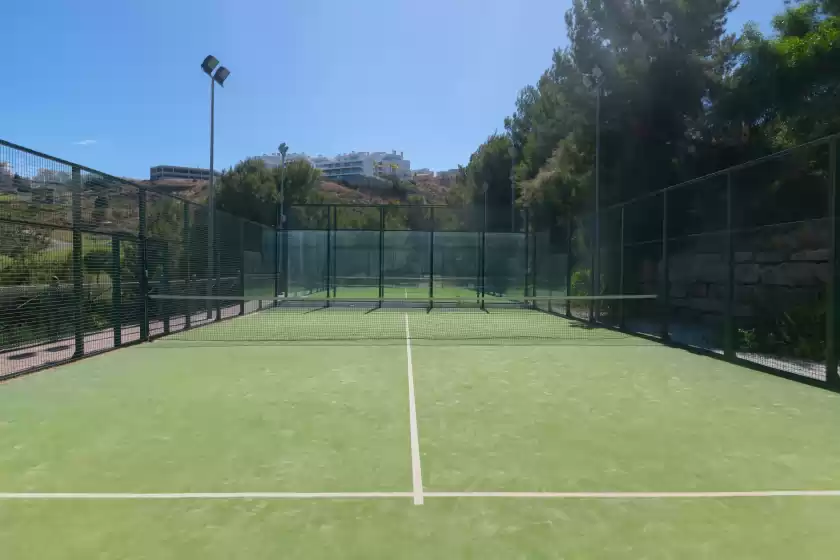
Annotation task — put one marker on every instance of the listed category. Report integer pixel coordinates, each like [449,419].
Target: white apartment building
[160,172]
[352,166]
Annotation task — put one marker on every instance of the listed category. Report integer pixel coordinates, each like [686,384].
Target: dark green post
[334,251]
[329,253]
[569,262]
[432,258]
[665,288]
[527,252]
[484,251]
[242,266]
[116,291]
[143,300]
[217,265]
[78,270]
[164,305]
[381,254]
[187,237]
[592,266]
[621,321]
[284,240]
[279,230]
[729,316]
[833,313]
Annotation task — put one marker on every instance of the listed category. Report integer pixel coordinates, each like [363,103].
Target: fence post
[381,254]
[186,237]
[116,291]
[217,265]
[432,258]
[569,262]
[334,252]
[329,253]
[833,313]
[165,285]
[527,252]
[729,318]
[78,265]
[621,318]
[242,265]
[284,242]
[278,231]
[665,278]
[143,266]
[592,266]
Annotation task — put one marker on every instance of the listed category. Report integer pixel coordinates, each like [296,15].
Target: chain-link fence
[743,263]
[81,249]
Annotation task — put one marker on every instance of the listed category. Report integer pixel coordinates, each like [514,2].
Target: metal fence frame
[832,308]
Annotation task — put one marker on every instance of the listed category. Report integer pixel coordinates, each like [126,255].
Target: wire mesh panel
[698,263]
[506,264]
[356,263]
[582,247]
[642,263]
[781,253]
[457,262]
[307,261]
[406,262]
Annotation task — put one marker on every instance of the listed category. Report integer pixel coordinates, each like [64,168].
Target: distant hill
[427,190]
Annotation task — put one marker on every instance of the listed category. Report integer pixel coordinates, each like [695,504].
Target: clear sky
[116,85]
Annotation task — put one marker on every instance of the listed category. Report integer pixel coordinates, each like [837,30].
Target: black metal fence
[79,249]
[388,250]
[744,262]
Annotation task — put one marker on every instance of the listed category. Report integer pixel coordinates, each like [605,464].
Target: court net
[321,318]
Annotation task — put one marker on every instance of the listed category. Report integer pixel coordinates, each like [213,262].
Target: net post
[729,318]
[621,319]
[165,306]
[78,271]
[143,265]
[186,238]
[381,254]
[242,266]
[665,277]
[833,300]
[569,233]
[116,291]
[432,259]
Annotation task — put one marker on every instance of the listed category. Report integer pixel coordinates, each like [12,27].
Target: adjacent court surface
[217,446]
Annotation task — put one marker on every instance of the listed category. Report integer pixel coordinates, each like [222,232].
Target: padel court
[363,430]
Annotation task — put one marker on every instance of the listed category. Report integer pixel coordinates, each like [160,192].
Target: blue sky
[117,86]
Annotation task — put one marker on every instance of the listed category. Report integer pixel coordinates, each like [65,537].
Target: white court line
[416,476]
[636,495]
[386,495]
[201,495]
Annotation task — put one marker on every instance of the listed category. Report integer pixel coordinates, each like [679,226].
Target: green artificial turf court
[285,450]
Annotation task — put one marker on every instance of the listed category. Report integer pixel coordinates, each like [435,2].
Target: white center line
[416,476]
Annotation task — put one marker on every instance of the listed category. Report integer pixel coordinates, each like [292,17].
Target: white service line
[637,495]
[387,495]
[200,495]
[416,475]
